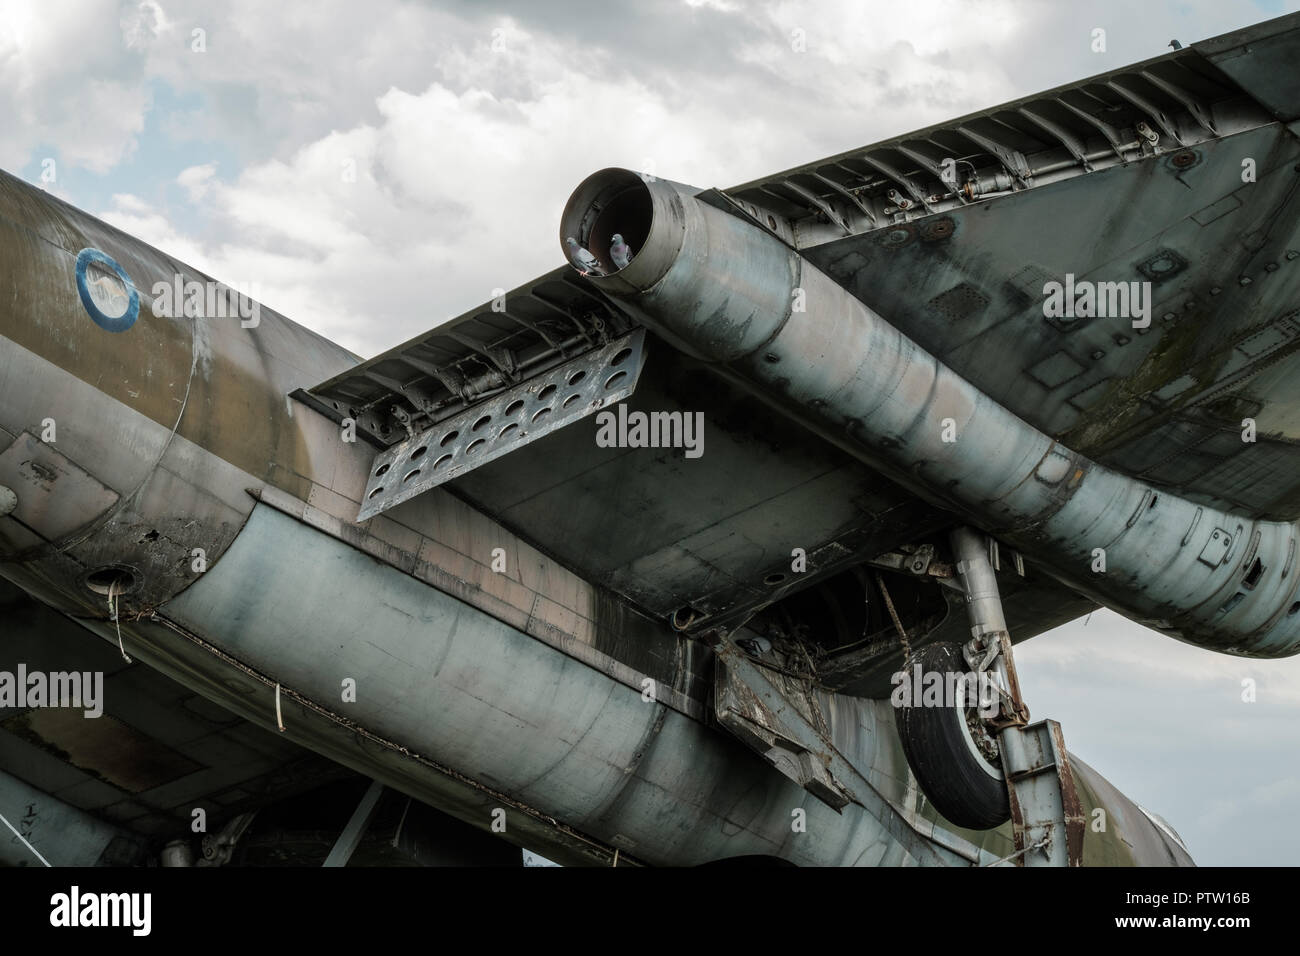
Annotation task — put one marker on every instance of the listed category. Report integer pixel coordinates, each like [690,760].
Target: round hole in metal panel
[545,394]
[115,577]
[381,469]
[377,491]
[419,453]
[542,413]
[614,380]
[441,461]
[476,446]
[513,407]
[683,617]
[449,437]
[577,377]
[619,357]
[410,474]
[505,432]
[481,422]
[570,400]
[775,578]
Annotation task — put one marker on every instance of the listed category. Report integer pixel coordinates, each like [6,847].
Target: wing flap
[497,426]
[483,352]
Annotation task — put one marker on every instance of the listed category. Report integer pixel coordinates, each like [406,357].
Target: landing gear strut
[952,739]
[979,760]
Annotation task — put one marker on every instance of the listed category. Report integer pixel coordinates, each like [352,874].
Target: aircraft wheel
[960,779]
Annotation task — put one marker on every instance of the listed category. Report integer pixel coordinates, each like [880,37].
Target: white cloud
[373,233]
[68,83]
[143,23]
[196,180]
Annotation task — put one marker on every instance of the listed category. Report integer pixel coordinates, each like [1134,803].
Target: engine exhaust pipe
[728,292]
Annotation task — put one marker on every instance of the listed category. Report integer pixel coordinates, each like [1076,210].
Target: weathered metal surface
[1261,59]
[35,469]
[498,426]
[721,289]
[713,533]
[960,267]
[469,358]
[162,750]
[113,751]
[1123,834]
[179,416]
[61,834]
[1192,96]
[583,636]
[1046,813]
[682,765]
[777,718]
[139,410]
[1164,402]
[990,644]
[457,687]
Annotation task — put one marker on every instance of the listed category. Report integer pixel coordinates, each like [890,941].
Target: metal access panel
[1216,549]
[775,718]
[509,420]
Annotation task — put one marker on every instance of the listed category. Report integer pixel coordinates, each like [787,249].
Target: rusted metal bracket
[218,848]
[1046,816]
[919,561]
[778,722]
[775,716]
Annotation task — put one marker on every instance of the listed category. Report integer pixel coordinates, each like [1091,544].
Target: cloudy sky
[373,169]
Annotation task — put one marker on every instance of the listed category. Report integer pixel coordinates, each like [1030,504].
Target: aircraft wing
[1175,177]
[1060,184]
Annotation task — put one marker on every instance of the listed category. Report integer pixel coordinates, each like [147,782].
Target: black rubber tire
[967,789]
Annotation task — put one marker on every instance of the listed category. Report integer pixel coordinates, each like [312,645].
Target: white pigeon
[587,263]
[620,252]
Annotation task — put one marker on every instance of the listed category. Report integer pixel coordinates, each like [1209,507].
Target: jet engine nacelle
[727,291]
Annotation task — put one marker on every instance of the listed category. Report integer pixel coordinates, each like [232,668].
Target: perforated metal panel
[505,422]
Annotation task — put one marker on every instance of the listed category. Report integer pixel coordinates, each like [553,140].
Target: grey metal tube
[56,833]
[728,292]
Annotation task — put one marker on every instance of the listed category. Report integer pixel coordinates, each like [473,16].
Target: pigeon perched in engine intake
[587,263]
[620,252]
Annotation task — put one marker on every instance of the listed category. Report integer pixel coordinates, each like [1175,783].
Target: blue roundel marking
[110,323]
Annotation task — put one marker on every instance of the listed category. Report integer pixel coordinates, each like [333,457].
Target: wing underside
[1134,178]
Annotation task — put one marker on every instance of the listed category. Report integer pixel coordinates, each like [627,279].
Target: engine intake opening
[612,202]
